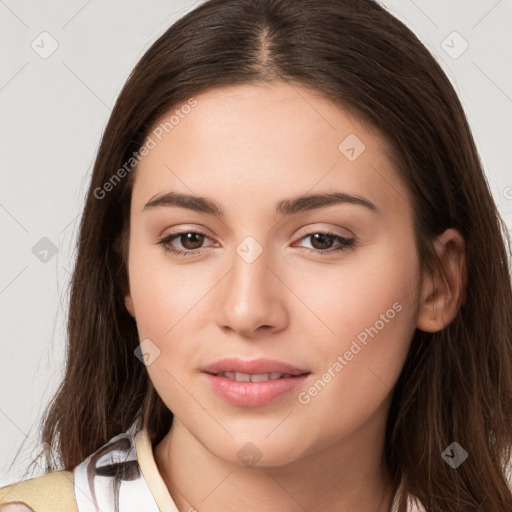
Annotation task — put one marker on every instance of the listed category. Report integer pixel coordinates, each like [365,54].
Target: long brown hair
[456,384]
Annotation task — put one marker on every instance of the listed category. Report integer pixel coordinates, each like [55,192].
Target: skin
[16,507]
[248,147]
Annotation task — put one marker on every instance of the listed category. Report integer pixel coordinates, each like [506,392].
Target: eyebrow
[284,207]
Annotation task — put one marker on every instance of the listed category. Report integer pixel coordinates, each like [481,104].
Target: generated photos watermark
[151,142]
[361,341]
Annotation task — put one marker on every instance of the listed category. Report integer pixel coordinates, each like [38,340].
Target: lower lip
[253,394]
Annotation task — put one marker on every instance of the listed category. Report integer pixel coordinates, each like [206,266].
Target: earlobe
[444,292]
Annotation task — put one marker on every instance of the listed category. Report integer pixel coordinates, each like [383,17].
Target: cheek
[371,314]
[162,290]
[170,301]
[366,297]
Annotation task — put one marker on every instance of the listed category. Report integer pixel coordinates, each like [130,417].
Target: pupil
[322,237]
[189,238]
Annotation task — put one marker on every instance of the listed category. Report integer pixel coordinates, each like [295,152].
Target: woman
[292,289]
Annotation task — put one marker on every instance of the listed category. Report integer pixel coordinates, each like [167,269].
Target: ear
[124,286]
[129,304]
[443,292]
[120,248]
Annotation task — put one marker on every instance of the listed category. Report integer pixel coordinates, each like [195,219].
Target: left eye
[328,238]
[191,242]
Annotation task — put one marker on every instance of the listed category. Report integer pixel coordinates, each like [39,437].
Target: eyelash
[346,243]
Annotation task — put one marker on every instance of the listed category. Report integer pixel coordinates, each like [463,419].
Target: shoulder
[53,492]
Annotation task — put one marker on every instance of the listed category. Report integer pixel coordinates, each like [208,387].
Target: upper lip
[253,367]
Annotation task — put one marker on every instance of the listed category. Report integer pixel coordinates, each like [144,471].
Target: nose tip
[251,298]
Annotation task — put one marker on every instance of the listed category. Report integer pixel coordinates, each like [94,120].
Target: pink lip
[253,394]
[255,366]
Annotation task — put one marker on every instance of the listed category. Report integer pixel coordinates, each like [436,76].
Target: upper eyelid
[302,231]
[310,231]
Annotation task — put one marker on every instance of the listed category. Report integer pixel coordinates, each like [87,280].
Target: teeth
[248,377]
[265,376]
[242,377]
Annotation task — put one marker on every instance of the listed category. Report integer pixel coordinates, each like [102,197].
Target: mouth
[253,383]
[253,377]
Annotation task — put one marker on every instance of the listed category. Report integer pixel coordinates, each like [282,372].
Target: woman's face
[264,283]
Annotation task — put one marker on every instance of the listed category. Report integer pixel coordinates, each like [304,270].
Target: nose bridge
[252,296]
[250,268]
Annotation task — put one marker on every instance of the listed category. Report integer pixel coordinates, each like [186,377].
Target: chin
[257,449]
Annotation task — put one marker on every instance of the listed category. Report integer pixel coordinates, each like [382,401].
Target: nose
[252,297]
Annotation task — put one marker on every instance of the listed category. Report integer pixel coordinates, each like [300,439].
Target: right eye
[195,238]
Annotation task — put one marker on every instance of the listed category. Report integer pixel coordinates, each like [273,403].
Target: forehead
[253,141]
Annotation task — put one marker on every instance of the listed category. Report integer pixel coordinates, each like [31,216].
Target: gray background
[53,111]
